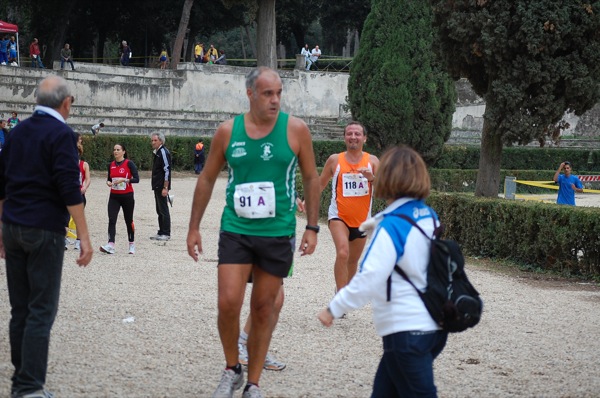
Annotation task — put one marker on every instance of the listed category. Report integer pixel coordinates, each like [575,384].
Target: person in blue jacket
[568,184]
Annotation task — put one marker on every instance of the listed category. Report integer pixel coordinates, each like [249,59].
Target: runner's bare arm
[205,184]
[327,171]
[301,144]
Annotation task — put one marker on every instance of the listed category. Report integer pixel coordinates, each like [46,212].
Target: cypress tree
[397,88]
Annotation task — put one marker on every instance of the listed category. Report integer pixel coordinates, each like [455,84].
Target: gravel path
[144,325]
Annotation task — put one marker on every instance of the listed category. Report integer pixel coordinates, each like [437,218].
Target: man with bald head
[39,189]
[262,149]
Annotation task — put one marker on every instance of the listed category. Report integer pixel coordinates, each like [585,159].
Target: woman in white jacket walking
[411,338]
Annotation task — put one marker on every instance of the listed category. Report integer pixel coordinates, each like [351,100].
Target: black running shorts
[273,255]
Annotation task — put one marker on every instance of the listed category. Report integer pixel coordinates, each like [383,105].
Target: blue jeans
[37,62]
[406,368]
[34,261]
[62,63]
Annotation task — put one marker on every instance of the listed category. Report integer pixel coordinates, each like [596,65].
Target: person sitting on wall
[65,56]
[222,60]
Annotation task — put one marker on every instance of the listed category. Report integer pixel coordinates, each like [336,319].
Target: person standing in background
[161,185]
[84,179]
[12,52]
[122,172]
[39,189]
[568,184]
[35,54]
[3,132]
[198,53]
[163,58]
[125,53]
[306,52]
[4,50]
[199,157]
[13,121]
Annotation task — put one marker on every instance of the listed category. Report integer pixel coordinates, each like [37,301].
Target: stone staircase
[143,121]
[139,101]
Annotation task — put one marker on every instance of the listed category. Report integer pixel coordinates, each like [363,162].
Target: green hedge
[521,158]
[541,235]
[548,236]
[97,150]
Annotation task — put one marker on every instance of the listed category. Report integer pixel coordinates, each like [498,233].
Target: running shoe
[243,354]
[273,364]
[160,237]
[131,248]
[108,249]
[230,381]
[77,245]
[252,392]
[38,394]
[270,362]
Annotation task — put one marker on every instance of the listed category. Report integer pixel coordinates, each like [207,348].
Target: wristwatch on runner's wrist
[315,228]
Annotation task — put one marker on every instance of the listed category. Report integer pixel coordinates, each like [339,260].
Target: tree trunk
[348,47]
[56,41]
[242,41]
[251,41]
[488,176]
[183,24]
[265,34]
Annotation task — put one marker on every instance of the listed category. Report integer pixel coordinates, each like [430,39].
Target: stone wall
[194,99]
[189,101]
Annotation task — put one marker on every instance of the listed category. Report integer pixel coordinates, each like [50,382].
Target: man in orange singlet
[352,173]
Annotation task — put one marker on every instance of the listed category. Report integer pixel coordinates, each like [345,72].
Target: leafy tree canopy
[397,89]
[531,60]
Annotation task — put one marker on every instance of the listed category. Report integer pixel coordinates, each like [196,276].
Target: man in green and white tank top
[262,149]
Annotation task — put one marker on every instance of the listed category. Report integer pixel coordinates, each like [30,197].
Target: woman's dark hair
[124,150]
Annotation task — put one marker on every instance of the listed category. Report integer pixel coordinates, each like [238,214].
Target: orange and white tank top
[351,193]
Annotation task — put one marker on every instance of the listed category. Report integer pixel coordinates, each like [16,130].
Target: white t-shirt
[316,53]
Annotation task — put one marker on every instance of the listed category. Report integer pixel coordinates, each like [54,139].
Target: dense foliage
[531,60]
[95,28]
[396,87]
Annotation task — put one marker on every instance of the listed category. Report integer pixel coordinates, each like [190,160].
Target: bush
[98,150]
[549,236]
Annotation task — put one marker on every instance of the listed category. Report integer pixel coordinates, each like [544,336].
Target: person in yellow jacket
[198,53]
[212,54]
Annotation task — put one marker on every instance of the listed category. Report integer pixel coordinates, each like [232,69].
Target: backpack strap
[398,269]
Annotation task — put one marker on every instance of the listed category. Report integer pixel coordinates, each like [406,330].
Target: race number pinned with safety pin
[255,200]
[121,186]
[354,184]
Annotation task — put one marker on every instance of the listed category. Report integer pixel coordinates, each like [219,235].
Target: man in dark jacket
[161,184]
[39,189]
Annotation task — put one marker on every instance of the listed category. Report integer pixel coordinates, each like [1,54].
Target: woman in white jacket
[411,338]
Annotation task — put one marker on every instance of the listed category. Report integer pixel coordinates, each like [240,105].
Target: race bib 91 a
[255,200]
[354,184]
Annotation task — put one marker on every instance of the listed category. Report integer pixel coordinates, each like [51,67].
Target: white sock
[243,337]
